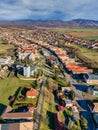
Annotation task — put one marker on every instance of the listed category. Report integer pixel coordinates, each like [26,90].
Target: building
[29,70]
[5,61]
[17,126]
[66,89]
[91,78]
[95,113]
[68,103]
[46,53]
[95,108]
[32,70]
[31,56]
[10,114]
[60,108]
[31,93]
[26,71]
[58,122]
[93,90]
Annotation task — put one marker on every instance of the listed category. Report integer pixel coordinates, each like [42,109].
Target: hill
[51,23]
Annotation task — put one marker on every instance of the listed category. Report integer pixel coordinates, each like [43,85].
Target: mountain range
[51,23]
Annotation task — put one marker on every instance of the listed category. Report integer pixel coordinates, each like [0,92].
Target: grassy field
[4,47]
[86,33]
[47,111]
[91,54]
[9,86]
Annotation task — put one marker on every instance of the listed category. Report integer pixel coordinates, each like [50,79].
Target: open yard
[4,47]
[9,86]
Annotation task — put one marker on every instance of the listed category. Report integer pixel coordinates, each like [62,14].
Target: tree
[83,123]
[69,84]
[72,95]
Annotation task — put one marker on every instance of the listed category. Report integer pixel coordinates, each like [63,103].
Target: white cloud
[48,9]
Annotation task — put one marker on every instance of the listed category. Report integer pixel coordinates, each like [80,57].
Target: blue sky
[48,9]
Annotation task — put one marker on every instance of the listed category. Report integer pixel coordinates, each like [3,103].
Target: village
[44,66]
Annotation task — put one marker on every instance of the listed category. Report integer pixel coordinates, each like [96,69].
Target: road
[82,102]
[39,106]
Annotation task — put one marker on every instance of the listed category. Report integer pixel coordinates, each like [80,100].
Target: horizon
[24,20]
[48,10]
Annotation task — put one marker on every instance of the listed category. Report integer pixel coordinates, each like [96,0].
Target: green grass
[91,54]
[91,37]
[48,110]
[74,29]
[4,47]
[9,86]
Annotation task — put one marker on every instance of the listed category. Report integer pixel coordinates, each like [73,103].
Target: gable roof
[31,92]
[91,76]
[17,126]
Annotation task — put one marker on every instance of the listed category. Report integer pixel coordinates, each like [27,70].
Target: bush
[72,95]
[83,123]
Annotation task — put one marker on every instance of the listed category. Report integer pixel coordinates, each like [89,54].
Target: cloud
[48,9]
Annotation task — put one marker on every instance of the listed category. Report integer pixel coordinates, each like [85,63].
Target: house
[58,123]
[51,59]
[17,126]
[93,90]
[46,53]
[75,112]
[66,88]
[5,61]
[68,103]
[60,108]
[31,93]
[12,114]
[95,113]
[91,78]
[31,56]
[95,108]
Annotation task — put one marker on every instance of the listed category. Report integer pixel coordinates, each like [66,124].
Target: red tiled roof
[60,108]
[31,92]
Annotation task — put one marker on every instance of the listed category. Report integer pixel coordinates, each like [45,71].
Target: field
[48,109]
[4,47]
[91,54]
[9,86]
[86,33]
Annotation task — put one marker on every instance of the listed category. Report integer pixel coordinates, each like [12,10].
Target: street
[39,106]
[81,102]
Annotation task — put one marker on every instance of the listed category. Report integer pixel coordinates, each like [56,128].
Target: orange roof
[76,68]
[31,92]
[29,50]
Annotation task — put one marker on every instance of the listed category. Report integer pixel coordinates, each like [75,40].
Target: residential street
[39,106]
[82,102]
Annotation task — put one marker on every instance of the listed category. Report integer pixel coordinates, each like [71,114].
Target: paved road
[39,106]
[82,103]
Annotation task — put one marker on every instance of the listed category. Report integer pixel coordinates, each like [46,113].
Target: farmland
[86,33]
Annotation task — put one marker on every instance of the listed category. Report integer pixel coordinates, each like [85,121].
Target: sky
[48,9]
